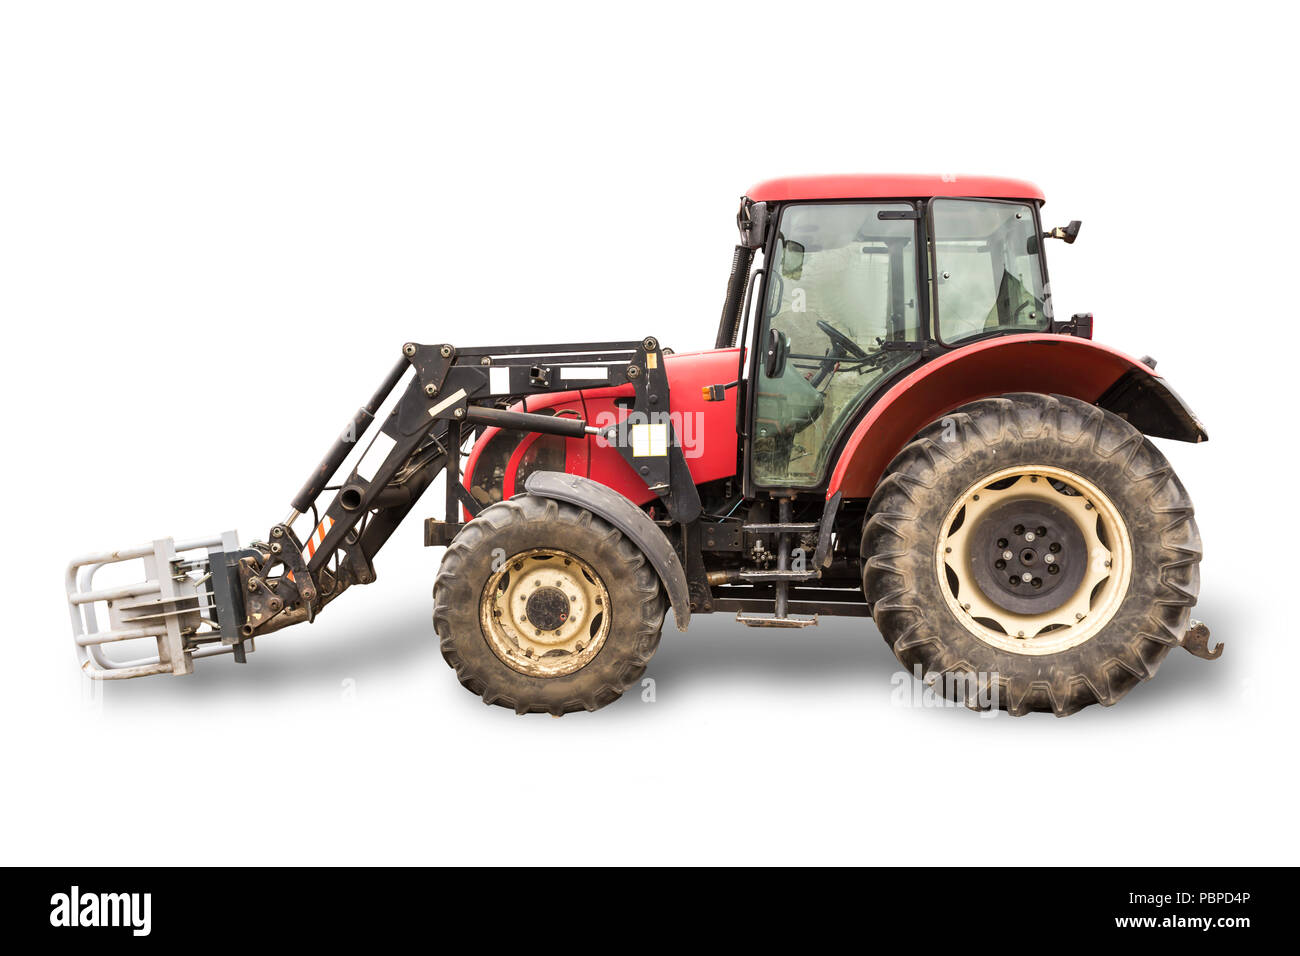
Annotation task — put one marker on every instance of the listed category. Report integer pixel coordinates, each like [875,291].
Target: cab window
[987,270]
[842,284]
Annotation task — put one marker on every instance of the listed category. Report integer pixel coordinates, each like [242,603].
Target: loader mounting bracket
[268,595]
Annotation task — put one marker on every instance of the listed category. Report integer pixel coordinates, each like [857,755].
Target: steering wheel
[841,347]
[841,344]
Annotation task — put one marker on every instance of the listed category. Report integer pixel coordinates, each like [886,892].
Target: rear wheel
[1037,547]
[542,607]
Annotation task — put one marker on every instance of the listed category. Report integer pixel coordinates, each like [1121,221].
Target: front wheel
[1037,548]
[545,608]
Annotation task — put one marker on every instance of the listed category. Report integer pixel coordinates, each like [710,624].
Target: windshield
[988,273]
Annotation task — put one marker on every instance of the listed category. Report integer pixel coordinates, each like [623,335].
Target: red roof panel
[891,186]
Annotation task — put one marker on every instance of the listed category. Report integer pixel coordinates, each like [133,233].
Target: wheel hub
[1028,556]
[1034,559]
[547,608]
[545,612]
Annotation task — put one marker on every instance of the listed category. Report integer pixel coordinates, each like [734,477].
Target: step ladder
[783,575]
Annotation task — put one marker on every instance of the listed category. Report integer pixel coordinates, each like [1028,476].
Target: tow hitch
[1197,642]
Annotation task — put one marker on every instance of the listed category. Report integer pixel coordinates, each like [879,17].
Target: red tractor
[909,435]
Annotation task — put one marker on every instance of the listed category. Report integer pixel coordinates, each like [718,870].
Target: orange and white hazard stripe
[317,537]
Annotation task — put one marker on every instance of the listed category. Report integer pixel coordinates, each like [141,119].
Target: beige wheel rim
[545,612]
[974,538]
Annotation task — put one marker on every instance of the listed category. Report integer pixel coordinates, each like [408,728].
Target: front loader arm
[224,602]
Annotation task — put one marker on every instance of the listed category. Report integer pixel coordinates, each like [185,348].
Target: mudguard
[1050,364]
[629,519]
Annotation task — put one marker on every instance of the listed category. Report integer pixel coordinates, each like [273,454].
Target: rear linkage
[201,606]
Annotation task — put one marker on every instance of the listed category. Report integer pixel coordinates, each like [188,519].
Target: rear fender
[1051,364]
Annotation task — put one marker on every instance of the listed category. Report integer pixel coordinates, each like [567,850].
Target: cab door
[841,287]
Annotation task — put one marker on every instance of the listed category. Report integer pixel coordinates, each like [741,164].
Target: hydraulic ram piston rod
[527,421]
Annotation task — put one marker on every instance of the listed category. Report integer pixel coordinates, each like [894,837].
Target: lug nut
[1026,577]
[1049,558]
[1029,536]
[1007,555]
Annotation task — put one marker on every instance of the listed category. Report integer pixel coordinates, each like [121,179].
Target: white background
[219,222]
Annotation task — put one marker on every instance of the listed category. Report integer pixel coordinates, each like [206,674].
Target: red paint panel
[1022,363]
[892,186]
[568,404]
[557,400]
[707,429]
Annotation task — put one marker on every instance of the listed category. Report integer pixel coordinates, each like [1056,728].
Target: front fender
[1051,364]
[629,519]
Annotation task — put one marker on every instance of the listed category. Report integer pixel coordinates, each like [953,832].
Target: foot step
[767,576]
[774,526]
[770,620]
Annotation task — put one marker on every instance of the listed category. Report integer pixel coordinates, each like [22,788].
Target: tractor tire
[1031,552]
[543,607]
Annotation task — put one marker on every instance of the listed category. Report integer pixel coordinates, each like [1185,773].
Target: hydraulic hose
[735,301]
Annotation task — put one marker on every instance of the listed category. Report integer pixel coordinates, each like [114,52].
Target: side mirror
[792,259]
[752,222]
[778,347]
[1068,233]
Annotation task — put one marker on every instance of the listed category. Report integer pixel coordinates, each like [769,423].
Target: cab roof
[892,186]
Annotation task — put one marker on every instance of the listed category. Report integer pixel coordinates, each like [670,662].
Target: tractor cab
[862,277]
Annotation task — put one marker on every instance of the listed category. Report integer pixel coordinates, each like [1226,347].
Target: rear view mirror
[778,347]
[792,259]
[752,222]
[1068,233]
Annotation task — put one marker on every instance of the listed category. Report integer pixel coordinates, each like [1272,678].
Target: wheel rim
[999,543]
[545,612]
